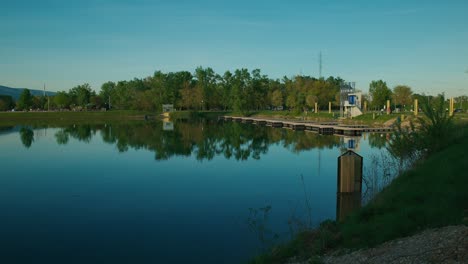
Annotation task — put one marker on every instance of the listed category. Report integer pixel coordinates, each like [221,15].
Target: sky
[423,44]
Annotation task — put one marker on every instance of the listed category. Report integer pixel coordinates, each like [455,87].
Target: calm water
[150,192]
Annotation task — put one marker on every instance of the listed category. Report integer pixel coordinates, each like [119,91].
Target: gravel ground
[442,245]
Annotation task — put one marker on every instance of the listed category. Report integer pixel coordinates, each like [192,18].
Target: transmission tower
[320,65]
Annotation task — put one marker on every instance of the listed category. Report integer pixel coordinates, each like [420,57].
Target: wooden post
[365,106]
[349,172]
[388,107]
[416,107]
[329,107]
[316,108]
[349,184]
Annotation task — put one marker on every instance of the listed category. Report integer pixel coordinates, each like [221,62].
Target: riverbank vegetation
[430,194]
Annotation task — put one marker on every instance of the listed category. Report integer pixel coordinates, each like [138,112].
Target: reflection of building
[167,125]
[349,183]
[351,143]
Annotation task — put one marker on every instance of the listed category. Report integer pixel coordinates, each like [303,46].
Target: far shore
[66,117]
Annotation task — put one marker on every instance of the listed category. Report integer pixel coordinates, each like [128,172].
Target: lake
[154,192]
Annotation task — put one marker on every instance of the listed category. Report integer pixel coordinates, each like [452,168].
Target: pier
[324,128]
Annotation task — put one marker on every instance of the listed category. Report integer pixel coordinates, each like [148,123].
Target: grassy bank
[40,118]
[198,114]
[370,119]
[432,194]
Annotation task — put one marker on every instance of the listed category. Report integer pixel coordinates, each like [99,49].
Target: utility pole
[48,100]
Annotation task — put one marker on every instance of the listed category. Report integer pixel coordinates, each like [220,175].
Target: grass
[39,118]
[432,194]
[198,114]
[365,119]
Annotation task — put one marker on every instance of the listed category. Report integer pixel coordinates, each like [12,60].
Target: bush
[430,133]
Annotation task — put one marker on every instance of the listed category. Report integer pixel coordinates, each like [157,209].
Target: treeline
[241,90]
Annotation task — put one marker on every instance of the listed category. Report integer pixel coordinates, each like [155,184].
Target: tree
[107,92]
[25,100]
[380,93]
[402,95]
[6,102]
[97,101]
[311,100]
[277,98]
[81,94]
[62,100]
[206,82]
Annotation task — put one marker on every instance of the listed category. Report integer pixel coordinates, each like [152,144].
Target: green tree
[6,102]
[380,93]
[311,100]
[62,100]
[206,82]
[239,91]
[225,86]
[402,95]
[107,93]
[81,94]
[25,100]
[277,98]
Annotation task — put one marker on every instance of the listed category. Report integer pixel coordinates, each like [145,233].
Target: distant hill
[15,92]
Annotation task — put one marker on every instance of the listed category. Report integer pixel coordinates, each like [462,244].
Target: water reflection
[181,200]
[26,136]
[204,140]
[377,140]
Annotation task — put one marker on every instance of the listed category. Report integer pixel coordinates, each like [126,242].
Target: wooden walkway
[324,128]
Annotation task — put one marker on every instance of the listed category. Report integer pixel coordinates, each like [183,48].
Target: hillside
[15,92]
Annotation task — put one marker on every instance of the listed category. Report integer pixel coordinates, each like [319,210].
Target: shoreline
[432,194]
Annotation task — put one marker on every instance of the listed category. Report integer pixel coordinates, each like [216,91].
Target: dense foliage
[430,132]
[6,102]
[241,91]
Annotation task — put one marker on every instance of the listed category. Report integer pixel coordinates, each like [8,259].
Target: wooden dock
[324,128]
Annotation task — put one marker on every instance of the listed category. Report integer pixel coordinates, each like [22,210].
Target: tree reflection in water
[204,139]
[26,136]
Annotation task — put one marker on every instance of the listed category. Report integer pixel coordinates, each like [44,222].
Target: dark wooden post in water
[349,187]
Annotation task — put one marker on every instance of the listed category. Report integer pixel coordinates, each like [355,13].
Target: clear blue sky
[423,44]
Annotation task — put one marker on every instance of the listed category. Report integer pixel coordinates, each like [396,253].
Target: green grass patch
[432,194]
[41,118]
[198,114]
